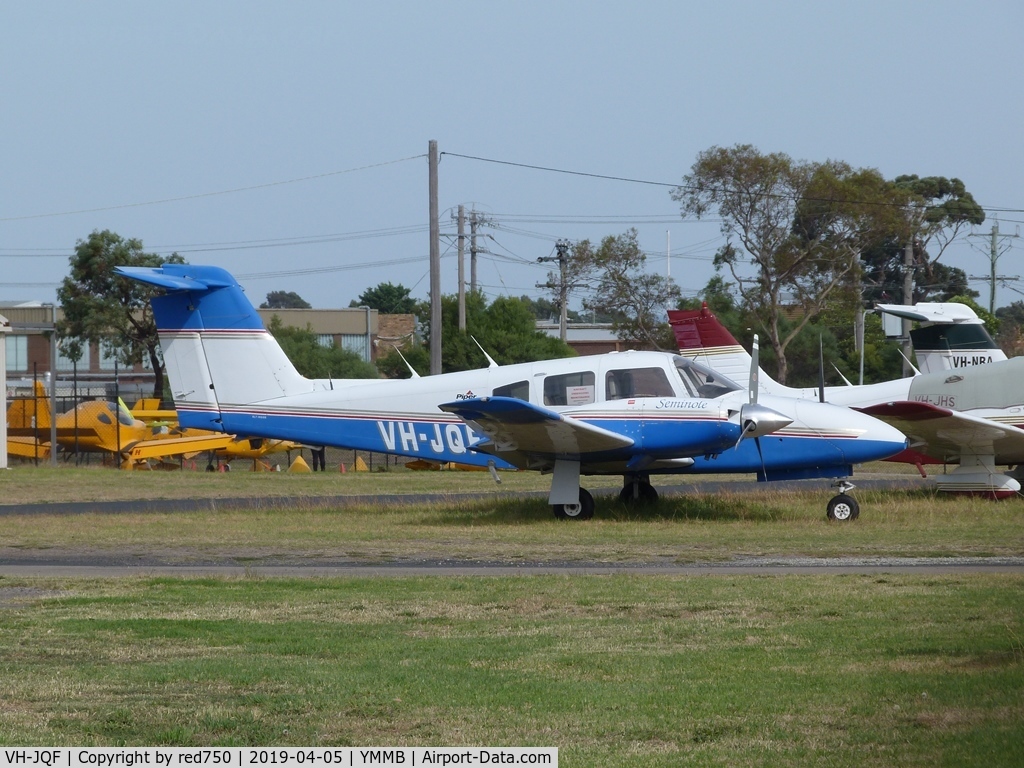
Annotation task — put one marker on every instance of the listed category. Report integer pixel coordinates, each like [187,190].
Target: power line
[650,182]
[209,194]
[246,244]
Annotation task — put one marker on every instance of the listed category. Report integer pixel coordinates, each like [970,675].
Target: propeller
[752,386]
[757,420]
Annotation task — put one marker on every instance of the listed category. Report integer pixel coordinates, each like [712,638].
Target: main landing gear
[843,507]
[637,491]
[581,510]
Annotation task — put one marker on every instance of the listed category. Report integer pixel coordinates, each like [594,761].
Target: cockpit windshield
[123,414]
[701,381]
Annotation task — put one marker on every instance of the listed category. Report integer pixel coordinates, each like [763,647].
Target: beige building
[589,338]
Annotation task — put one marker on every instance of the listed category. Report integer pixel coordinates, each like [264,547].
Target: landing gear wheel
[843,508]
[582,510]
[638,493]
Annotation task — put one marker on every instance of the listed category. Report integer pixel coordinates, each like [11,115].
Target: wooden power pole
[435,264]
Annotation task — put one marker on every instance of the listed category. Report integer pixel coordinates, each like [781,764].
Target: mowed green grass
[510,528]
[627,670]
[613,670]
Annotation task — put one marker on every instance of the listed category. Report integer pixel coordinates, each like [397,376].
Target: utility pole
[462,269]
[562,249]
[668,253]
[994,254]
[473,221]
[435,262]
[908,299]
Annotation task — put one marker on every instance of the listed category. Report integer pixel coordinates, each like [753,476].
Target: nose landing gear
[843,507]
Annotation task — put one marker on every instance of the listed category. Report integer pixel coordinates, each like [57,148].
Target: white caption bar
[346,757]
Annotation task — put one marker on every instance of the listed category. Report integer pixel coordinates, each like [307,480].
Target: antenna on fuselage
[848,383]
[490,360]
[412,371]
[912,366]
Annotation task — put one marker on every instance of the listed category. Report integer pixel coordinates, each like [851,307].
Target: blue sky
[286,142]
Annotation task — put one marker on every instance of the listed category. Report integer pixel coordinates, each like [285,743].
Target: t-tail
[215,347]
[949,335]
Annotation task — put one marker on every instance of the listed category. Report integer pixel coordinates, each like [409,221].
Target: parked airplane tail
[215,347]
[30,412]
[703,338]
[950,335]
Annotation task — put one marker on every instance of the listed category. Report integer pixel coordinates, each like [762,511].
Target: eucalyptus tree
[615,283]
[934,212]
[795,232]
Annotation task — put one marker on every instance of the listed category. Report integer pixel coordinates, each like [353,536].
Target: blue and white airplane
[633,413]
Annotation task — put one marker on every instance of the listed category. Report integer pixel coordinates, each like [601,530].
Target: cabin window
[520,390]
[952,338]
[569,389]
[637,382]
[123,414]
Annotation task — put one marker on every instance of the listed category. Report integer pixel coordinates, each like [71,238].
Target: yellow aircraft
[256,449]
[99,426]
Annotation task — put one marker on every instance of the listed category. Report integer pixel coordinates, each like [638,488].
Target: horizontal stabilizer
[177,277]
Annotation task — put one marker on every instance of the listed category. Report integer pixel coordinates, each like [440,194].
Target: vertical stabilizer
[217,352]
[950,335]
[30,412]
[702,337]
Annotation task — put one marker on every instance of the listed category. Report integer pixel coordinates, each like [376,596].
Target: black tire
[843,508]
[584,510]
[638,493]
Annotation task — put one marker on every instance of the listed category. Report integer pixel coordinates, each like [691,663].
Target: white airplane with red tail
[967,409]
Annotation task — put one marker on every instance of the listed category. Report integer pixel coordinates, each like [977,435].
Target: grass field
[626,670]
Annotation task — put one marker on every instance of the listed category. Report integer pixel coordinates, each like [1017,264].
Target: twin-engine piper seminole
[634,414]
[966,409]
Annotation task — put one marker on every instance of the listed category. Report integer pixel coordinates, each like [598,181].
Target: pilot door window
[569,389]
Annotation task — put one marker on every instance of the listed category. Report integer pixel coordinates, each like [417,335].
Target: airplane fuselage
[640,395]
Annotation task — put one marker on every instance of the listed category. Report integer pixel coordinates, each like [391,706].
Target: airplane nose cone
[860,437]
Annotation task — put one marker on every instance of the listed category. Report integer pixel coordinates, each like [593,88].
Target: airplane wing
[517,430]
[177,446]
[942,433]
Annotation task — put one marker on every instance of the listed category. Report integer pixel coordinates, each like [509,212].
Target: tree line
[808,246]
